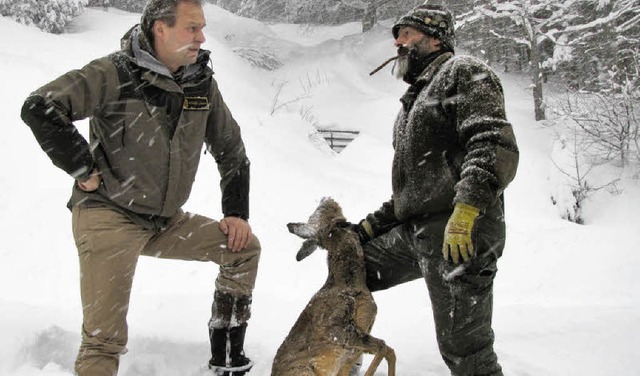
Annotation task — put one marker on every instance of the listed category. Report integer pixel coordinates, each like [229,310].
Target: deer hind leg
[372,345]
[388,354]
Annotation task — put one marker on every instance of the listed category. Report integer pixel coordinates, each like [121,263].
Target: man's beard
[401,67]
[411,60]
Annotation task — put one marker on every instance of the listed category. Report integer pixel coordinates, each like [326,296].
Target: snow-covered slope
[566,298]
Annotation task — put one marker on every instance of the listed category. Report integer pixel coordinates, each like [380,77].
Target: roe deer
[332,332]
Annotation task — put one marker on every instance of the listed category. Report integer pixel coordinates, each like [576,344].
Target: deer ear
[303,230]
[307,248]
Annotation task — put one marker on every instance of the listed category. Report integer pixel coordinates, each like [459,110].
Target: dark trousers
[461,296]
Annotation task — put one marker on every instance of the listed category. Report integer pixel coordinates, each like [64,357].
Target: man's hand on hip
[238,233]
[457,234]
[92,183]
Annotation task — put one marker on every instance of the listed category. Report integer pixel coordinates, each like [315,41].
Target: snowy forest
[566,297]
[590,45]
[586,46]
[586,51]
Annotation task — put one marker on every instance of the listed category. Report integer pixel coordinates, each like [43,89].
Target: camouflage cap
[433,20]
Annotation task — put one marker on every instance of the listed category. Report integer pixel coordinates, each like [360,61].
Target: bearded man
[455,153]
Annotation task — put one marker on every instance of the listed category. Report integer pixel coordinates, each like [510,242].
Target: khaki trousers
[109,244]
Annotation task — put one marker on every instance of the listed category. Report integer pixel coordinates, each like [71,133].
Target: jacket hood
[136,44]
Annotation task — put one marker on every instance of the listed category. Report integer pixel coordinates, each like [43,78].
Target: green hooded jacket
[147,131]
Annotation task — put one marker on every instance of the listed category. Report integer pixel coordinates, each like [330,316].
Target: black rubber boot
[227,351]
[227,327]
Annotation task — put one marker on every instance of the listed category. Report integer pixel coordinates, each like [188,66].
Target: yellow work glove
[363,230]
[457,234]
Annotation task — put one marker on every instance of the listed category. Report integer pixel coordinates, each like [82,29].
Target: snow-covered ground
[566,296]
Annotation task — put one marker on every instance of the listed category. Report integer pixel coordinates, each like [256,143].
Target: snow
[566,297]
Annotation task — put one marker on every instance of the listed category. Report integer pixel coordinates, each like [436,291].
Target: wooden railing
[338,140]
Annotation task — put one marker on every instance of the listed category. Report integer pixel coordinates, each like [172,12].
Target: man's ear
[434,42]
[158,29]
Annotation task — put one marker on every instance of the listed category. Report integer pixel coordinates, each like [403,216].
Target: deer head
[318,229]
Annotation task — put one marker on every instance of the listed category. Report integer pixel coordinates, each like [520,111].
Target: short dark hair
[161,10]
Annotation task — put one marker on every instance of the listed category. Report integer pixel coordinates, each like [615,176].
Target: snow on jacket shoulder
[453,142]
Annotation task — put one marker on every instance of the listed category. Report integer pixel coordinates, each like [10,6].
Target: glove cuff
[368,229]
[467,209]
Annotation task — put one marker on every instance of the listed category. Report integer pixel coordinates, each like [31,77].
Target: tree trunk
[369,18]
[538,99]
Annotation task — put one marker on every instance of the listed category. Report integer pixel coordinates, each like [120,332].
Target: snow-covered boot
[227,351]
[227,328]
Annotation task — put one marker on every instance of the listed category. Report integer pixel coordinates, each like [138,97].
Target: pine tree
[605,44]
[49,15]
[532,24]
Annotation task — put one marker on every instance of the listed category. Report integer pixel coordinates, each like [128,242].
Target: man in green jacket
[455,153]
[152,106]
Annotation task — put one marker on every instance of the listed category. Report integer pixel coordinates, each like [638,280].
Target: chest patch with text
[196,104]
